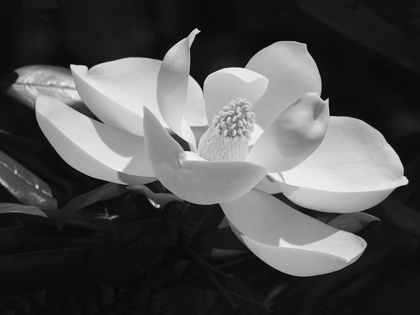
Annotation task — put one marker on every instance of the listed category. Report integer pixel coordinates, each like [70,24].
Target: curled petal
[293,136]
[189,176]
[91,147]
[223,86]
[353,169]
[172,87]
[116,92]
[291,71]
[289,240]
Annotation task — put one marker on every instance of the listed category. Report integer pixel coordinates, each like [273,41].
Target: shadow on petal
[291,72]
[189,176]
[91,147]
[288,240]
[353,169]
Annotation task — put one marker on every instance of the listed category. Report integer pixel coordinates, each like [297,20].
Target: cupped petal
[353,169]
[189,176]
[172,87]
[116,92]
[228,84]
[289,240]
[91,147]
[293,136]
[291,71]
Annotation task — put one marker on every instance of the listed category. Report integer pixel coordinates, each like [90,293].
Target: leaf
[230,303]
[32,258]
[65,182]
[105,192]
[131,250]
[25,84]
[28,188]
[82,219]
[222,239]
[368,27]
[157,200]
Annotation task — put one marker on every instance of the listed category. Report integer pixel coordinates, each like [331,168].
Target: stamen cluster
[227,137]
[235,120]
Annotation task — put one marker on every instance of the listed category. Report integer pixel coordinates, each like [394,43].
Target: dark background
[368,52]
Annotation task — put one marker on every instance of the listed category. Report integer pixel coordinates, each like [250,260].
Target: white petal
[293,136]
[91,147]
[353,169]
[289,240]
[291,71]
[172,87]
[226,85]
[189,176]
[116,92]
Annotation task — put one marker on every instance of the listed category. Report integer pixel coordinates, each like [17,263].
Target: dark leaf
[33,258]
[28,188]
[210,217]
[27,83]
[222,239]
[235,304]
[81,219]
[367,26]
[65,182]
[105,192]
[132,250]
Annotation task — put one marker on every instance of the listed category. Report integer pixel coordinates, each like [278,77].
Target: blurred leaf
[64,181]
[230,303]
[365,25]
[403,217]
[81,219]
[157,200]
[25,84]
[24,185]
[209,217]
[33,258]
[131,250]
[222,239]
[105,192]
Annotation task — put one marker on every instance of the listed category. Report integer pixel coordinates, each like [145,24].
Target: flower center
[227,137]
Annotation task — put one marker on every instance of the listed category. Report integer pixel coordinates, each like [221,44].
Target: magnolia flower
[268,131]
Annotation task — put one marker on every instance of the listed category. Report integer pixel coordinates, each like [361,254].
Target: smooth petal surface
[172,87]
[91,147]
[352,222]
[116,92]
[353,169]
[268,185]
[293,136]
[291,72]
[289,240]
[223,86]
[189,176]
